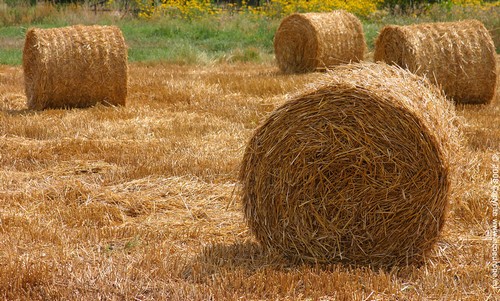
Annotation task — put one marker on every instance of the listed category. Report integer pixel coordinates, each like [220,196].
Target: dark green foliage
[13,3]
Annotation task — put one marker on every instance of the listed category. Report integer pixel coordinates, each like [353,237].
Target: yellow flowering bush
[285,7]
[179,8]
[273,8]
[466,2]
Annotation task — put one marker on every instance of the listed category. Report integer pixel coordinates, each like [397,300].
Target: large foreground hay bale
[306,42]
[75,66]
[458,56]
[356,171]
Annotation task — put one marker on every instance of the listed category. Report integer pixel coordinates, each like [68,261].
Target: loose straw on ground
[75,66]
[311,41]
[458,56]
[358,170]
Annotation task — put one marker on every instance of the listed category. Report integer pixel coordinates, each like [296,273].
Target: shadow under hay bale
[76,66]
[216,258]
[458,56]
[358,170]
[311,41]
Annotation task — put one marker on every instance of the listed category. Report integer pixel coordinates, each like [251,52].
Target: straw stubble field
[141,203]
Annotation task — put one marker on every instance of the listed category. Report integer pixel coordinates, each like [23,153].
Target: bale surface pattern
[311,41]
[76,66]
[357,170]
[458,56]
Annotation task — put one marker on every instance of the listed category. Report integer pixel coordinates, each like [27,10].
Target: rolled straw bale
[311,41]
[357,170]
[458,56]
[76,66]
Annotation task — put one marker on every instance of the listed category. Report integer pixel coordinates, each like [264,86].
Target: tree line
[386,3]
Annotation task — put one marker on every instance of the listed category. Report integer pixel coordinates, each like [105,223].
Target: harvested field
[140,202]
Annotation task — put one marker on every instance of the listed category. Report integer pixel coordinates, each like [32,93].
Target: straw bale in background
[75,66]
[310,41]
[458,56]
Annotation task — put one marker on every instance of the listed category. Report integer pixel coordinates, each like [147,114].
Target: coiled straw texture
[312,41]
[76,66]
[459,57]
[357,170]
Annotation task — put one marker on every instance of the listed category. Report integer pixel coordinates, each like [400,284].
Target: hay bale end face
[312,41]
[357,171]
[76,66]
[460,57]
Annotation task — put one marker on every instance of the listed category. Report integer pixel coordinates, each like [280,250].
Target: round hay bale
[76,66]
[357,170]
[458,56]
[312,41]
